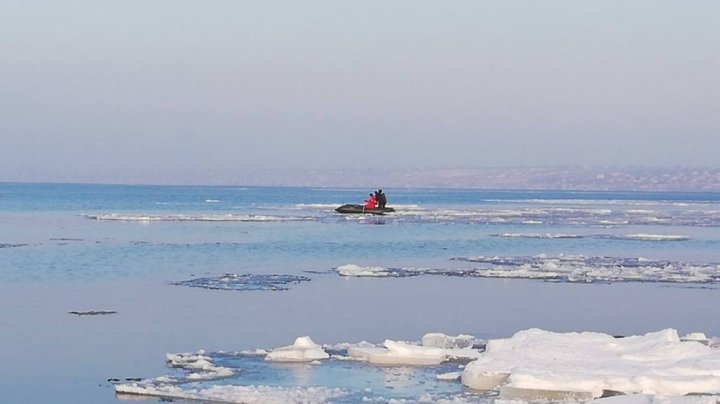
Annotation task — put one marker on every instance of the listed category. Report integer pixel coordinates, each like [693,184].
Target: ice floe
[244,282]
[638,236]
[303,350]
[198,365]
[586,216]
[579,268]
[238,394]
[565,268]
[537,235]
[654,237]
[440,340]
[436,348]
[538,364]
[399,353]
[449,376]
[196,218]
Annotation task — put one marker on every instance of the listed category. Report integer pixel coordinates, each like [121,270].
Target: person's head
[371,194]
[379,191]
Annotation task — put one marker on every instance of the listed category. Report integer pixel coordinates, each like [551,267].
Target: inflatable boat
[352,208]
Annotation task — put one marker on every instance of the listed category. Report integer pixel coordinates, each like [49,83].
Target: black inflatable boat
[352,208]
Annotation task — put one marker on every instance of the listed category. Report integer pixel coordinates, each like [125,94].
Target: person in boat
[381,199]
[370,202]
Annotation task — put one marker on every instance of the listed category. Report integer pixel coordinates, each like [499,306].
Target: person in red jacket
[370,203]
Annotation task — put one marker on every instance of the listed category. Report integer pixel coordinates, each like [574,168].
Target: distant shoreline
[677,179]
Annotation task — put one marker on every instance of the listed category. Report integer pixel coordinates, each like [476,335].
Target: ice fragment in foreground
[399,353]
[303,350]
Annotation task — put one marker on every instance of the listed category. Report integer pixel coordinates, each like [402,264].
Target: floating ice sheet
[541,364]
[637,237]
[237,394]
[196,218]
[579,268]
[576,268]
[244,282]
[666,214]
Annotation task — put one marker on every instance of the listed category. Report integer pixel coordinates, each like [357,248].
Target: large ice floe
[565,268]
[536,364]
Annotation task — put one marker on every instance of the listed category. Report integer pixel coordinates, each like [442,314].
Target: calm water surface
[100,247]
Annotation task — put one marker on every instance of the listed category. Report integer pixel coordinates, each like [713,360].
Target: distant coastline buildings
[680,179]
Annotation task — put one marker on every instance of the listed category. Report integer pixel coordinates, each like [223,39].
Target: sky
[132,90]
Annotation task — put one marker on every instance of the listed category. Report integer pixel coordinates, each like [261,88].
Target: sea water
[151,255]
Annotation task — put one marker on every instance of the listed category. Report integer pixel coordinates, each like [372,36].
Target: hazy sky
[128,90]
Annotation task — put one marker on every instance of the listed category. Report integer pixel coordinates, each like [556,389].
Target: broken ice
[244,282]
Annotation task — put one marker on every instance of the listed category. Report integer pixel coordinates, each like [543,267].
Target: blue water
[129,249]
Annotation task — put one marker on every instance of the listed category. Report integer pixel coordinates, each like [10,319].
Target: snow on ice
[535,364]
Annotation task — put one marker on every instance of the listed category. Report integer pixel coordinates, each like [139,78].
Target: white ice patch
[579,268]
[666,214]
[450,376]
[303,350]
[238,394]
[638,237]
[655,363]
[440,340]
[345,345]
[198,365]
[655,237]
[399,353]
[196,218]
[356,270]
[566,268]
[537,235]
[404,353]
[651,399]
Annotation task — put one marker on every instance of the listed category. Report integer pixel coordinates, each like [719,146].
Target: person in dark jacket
[381,199]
